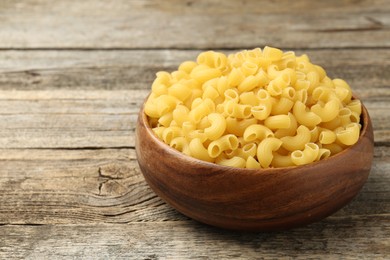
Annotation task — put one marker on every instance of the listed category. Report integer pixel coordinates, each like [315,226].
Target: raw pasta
[253,109]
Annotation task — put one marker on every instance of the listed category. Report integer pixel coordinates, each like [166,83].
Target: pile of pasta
[253,109]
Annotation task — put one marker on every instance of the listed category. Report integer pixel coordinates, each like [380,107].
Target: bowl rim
[364,120]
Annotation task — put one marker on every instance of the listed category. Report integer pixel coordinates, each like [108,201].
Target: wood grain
[186,24]
[188,240]
[135,69]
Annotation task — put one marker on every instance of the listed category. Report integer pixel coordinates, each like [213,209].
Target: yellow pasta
[253,109]
[226,142]
[265,150]
[304,116]
[217,128]
[297,142]
[308,155]
[257,132]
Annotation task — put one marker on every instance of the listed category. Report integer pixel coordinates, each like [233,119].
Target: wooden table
[73,75]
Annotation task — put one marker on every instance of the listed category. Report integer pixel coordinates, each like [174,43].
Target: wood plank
[366,70]
[106,186]
[340,238]
[186,24]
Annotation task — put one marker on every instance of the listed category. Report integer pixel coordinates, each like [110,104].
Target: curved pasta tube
[235,161]
[257,132]
[166,120]
[355,106]
[265,149]
[343,90]
[205,74]
[170,133]
[327,136]
[314,133]
[322,154]
[217,128]
[281,160]
[179,91]
[308,155]
[350,135]
[345,116]
[201,110]
[248,84]
[226,142]
[180,114]
[249,68]
[281,106]
[297,142]
[158,131]
[235,77]
[327,112]
[237,110]
[198,151]
[252,163]
[222,85]
[272,54]
[249,98]
[231,95]
[262,77]
[304,116]
[237,127]
[181,144]
[247,150]
[290,130]
[333,148]
[187,66]
[277,122]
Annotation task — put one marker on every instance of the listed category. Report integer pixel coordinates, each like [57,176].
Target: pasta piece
[237,127]
[327,136]
[248,84]
[170,133]
[252,163]
[226,142]
[180,114]
[278,122]
[355,106]
[217,128]
[181,144]
[257,132]
[281,160]
[308,155]
[187,66]
[327,112]
[237,110]
[247,150]
[349,135]
[323,154]
[279,133]
[198,151]
[304,116]
[235,161]
[265,149]
[249,98]
[297,142]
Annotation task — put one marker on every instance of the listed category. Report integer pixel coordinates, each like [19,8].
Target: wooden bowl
[254,200]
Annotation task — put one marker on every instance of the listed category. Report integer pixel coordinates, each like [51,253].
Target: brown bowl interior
[254,200]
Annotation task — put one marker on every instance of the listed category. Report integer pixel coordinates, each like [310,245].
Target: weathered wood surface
[73,75]
[344,239]
[161,24]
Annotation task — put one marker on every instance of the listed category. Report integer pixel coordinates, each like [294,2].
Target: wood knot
[114,178]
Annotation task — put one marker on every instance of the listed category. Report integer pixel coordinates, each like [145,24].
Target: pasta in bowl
[258,140]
